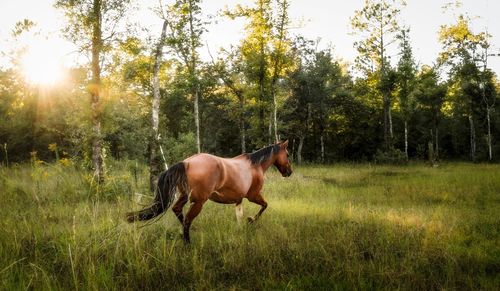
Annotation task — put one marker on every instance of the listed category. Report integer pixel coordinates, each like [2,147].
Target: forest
[137,93]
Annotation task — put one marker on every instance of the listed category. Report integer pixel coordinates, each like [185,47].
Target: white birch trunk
[242,126]
[406,140]
[437,144]
[322,149]
[275,117]
[154,167]
[270,129]
[472,139]
[197,121]
[391,134]
[191,64]
[299,150]
[488,118]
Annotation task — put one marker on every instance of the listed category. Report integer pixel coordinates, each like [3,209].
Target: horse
[223,180]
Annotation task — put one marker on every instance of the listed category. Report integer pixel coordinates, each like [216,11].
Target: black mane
[262,155]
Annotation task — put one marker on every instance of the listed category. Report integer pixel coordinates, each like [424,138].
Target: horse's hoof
[250,220]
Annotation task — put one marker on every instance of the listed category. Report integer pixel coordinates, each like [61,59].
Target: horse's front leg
[239,212]
[257,199]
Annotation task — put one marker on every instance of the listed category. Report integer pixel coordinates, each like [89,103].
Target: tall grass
[326,227]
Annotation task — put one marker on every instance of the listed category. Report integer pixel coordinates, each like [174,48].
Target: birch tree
[489,97]
[406,79]
[154,156]
[187,27]
[279,57]
[93,26]
[461,49]
[376,24]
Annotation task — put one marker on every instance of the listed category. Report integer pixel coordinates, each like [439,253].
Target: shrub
[392,156]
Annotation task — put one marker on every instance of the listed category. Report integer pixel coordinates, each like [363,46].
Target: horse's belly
[225,197]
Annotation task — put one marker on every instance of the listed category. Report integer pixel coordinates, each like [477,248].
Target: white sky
[328,20]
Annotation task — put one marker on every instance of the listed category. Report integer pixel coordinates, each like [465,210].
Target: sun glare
[40,66]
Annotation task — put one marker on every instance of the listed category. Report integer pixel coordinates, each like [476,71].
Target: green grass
[332,227]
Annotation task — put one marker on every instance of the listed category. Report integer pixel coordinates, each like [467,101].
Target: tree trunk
[472,139]
[386,125]
[97,159]
[278,62]
[436,151]
[391,134]
[197,121]
[406,140]
[262,75]
[299,150]
[192,69]
[154,159]
[431,153]
[432,149]
[488,118]
[322,148]
[261,105]
[242,126]
[386,102]
[275,118]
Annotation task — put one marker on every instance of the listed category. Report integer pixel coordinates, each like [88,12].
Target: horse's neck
[267,163]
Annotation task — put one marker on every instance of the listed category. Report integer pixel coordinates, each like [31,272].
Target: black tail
[165,193]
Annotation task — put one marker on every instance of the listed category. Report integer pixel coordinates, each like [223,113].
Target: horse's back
[229,178]
[202,170]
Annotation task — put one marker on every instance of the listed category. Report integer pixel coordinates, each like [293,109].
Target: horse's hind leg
[258,199]
[179,204]
[193,211]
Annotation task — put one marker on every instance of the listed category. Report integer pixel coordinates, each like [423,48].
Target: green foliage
[377,24]
[399,227]
[406,75]
[180,148]
[81,18]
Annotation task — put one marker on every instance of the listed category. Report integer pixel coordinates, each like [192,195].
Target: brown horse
[203,176]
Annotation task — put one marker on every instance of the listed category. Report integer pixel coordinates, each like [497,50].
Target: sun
[39,64]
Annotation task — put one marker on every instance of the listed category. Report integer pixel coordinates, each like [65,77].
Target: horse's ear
[284,144]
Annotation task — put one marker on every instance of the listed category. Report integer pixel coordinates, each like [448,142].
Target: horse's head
[282,162]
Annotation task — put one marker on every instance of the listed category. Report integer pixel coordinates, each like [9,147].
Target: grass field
[333,227]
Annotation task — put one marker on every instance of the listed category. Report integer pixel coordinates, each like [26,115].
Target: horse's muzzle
[288,172]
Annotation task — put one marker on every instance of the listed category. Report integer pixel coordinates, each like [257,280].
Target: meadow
[338,227]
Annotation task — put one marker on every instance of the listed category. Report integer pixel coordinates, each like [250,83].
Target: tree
[430,96]
[377,24]
[279,57]
[187,28]
[265,52]
[230,71]
[92,26]
[406,79]
[489,97]
[461,48]
[154,157]
[318,92]
[298,106]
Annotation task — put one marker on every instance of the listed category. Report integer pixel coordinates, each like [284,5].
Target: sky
[314,19]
